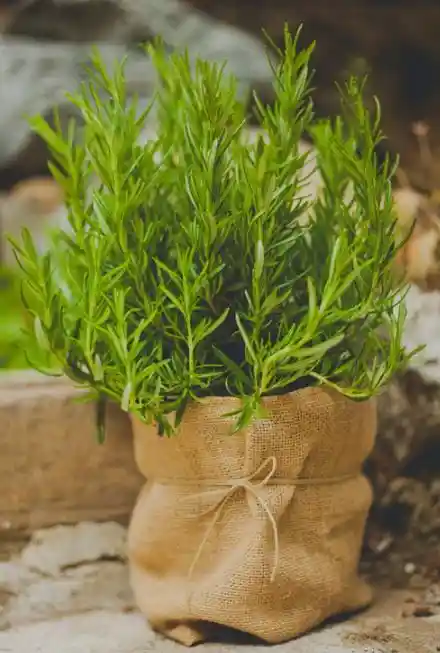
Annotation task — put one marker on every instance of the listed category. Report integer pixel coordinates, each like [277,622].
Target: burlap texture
[203,554]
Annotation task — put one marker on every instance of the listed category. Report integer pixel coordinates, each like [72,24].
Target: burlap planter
[259,531]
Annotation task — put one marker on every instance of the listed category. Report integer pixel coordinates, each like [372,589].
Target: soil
[413,564]
[382,641]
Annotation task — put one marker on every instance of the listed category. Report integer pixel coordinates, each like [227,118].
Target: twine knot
[251,485]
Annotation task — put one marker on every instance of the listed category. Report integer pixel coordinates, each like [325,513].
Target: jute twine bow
[252,485]
[248,484]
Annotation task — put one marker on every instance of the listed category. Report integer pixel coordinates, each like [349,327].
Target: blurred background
[44,43]
[396,42]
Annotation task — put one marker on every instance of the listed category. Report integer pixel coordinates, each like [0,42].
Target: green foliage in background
[16,348]
[192,268]
[12,323]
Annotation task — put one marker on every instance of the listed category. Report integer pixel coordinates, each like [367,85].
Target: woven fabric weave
[202,542]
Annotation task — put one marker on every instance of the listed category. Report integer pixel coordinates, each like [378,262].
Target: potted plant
[245,326]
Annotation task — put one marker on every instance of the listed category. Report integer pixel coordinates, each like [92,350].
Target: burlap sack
[259,531]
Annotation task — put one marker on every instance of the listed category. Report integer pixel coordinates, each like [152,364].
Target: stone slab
[68,591]
[115,632]
[52,471]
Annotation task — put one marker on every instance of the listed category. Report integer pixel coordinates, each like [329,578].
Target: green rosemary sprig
[196,265]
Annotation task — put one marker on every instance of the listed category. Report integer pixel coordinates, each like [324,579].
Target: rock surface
[84,605]
[51,468]
[35,77]
[63,571]
[46,46]
[405,465]
[422,329]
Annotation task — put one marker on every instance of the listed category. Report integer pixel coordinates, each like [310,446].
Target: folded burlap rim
[252,485]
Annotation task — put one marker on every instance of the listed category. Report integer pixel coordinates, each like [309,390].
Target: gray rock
[132,21]
[97,20]
[53,550]
[36,74]
[181,26]
[35,77]
[66,570]
[422,329]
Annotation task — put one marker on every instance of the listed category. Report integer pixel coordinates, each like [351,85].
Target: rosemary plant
[196,265]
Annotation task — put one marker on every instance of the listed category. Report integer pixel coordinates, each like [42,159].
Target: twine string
[248,485]
[253,486]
